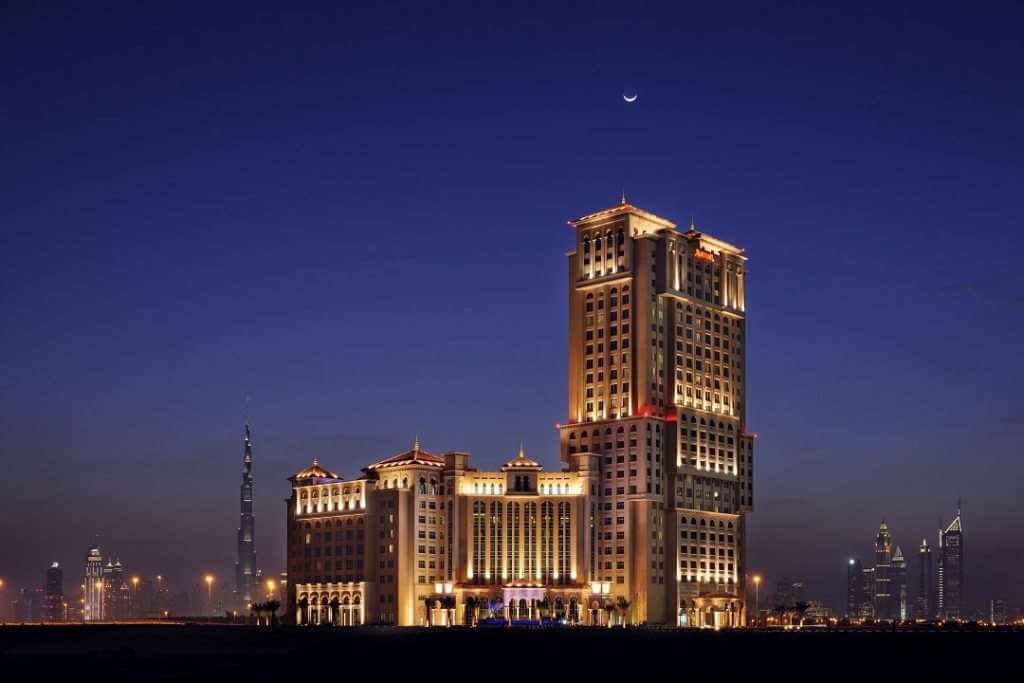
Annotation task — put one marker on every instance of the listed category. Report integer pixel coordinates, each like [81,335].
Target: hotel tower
[645,523]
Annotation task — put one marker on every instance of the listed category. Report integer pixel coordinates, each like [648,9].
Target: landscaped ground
[128,653]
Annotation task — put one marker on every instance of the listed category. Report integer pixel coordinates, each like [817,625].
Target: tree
[272,606]
[428,607]
[470,610]
[622,606]
[801,611]
[303,611]
[448,603]
[256,609]
[609,608]
[335,605]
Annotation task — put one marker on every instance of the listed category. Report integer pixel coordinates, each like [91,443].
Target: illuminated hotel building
[645,523]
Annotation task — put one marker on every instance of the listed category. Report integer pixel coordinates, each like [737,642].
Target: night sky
[356,218]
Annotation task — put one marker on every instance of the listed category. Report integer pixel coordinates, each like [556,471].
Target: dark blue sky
[356,217]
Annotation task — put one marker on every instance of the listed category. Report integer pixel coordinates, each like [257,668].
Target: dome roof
[314,471]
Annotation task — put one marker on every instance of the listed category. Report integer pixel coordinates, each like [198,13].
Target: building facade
[245,567]
[951,570]
[645,522]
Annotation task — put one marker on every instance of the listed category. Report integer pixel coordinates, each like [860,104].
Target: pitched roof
[416,456]
[314,471]
[521,462]
[623,208]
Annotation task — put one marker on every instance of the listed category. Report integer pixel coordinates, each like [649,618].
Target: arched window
[423,486]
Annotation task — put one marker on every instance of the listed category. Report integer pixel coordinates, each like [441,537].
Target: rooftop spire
[622,199]
[416,443]
[522,453]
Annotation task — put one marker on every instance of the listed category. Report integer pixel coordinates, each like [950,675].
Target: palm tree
[609,608]
[256,609]
[470,610]
[447,604]
[335,604]
[428,606]
[801,611]
[272,606]
[622,606]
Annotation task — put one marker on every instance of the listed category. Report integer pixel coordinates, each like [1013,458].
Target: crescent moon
[627,98]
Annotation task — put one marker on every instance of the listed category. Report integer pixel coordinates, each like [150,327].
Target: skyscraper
[854,589]
[925,608]
[867,606]
[657,375]
[54,593]
[116,593]
[883,566]
[899,608]
[951,569]
[94,585]
[245,567]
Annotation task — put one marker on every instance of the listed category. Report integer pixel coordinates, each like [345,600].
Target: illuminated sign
[704,255]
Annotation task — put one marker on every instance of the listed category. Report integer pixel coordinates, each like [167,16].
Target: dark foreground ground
[183,652]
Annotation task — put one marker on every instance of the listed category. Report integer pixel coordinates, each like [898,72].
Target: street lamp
[270,589]
[757,598]
[135,596]
[209,591]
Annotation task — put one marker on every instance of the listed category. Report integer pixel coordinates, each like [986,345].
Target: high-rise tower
[94,583]
[245,567]
[900,608]
[925,584]
[883,580]
[55,593]
[951,569]
[657,389]
[854,588]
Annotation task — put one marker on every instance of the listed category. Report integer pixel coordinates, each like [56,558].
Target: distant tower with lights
[245,567]
[900,608]
[925,586]
[854,588]
[883,567]
[951,569]
[94,582]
